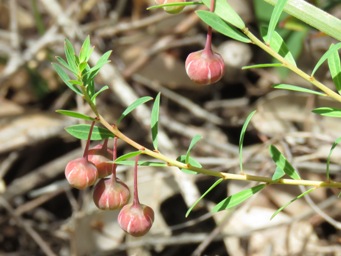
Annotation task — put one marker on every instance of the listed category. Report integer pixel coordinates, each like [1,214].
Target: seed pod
[204,67]
[81,173]
[100,156]
[136,219]
[111,194]
[171,9]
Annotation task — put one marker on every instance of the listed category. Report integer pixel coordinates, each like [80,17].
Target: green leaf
[81,131]
[172,4]
[70,56]
[282,163]
[92,72]
[127,156]
[226,12]
[74,114]
[85,51]
[327,111]
[325,56]
[277,44]
[265,65]
[191,161]
[76,82]
[336,142]
[297,89]
[276,14]
[104,88]
[237,198]
[335,69]
[203,195]
[141,163]
[194,141]
[241,138]
[291,201]
[64,64]
[62,74]
[279,173]
[221,26]
[154,122]
[133,106]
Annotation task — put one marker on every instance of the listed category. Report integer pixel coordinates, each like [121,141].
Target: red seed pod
[100,156]
[171,9]
[204,67]
[111,194]
[81,173]
[136,219]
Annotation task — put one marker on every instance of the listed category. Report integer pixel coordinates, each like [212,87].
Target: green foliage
[335,68]
[325,56]
[81,132]
[154,125]
[241,138]
[133,106]
[75,114]
[278,174]
[297,89]
[189,161]
[336,142]
[237,198]
[274,19]
[194,141]
[328,111]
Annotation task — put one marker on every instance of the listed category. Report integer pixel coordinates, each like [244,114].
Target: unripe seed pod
[100,156]
[171,9]
[204,67]
[81,173]
[136,219]
[111,195]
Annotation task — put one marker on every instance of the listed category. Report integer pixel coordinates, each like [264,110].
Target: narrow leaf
[291,201]
[133,106]
[85,51]
[335,69]
[81,131]
[226,12]
[265,65]
[62,74]
[194,141]
[100,63]
[70,56]
[241,138]
[325,56]
[64,63]
[104,88]
[336,142]
[221,26]
[127,156]
[237,198]
[297,89]
[75,114]
[276,14]
[278,174]
[327,111]
[282,163]
[191,161]
[154,122]
[141,163]
[172,4]
[203,195]
[277,44]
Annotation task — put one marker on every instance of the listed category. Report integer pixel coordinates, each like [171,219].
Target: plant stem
[293,68]
[226,176]
[86,149]
[136,201]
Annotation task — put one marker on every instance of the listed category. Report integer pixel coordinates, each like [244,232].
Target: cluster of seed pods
[110,193]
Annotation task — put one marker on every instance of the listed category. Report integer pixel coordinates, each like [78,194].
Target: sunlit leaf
[81,131]
[282,163]
[70,56]
[241,138]
[335,69]
[237,198]
[278,174]
[277,44]
[265,65]
[325,56]
[203,195]
[74,114]
[336,142]
[173,4]
[226,12]
[133,106]
[141,163]
[104,59]
[62,74]
[104,88]
[221,26]
[297,89]
[191,161]
[276,14]
[328,111]
[194,141]
[85,51]
[127,156]
[291,201]
[154,122]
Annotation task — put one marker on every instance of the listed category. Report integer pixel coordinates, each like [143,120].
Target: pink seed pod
[171,9]
[111,194]
[81,173]
[100,156]
[204,67]
[136,219]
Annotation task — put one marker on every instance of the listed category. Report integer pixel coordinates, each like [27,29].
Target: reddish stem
[136,201]
[86,149]
[114,156]
[208,45]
